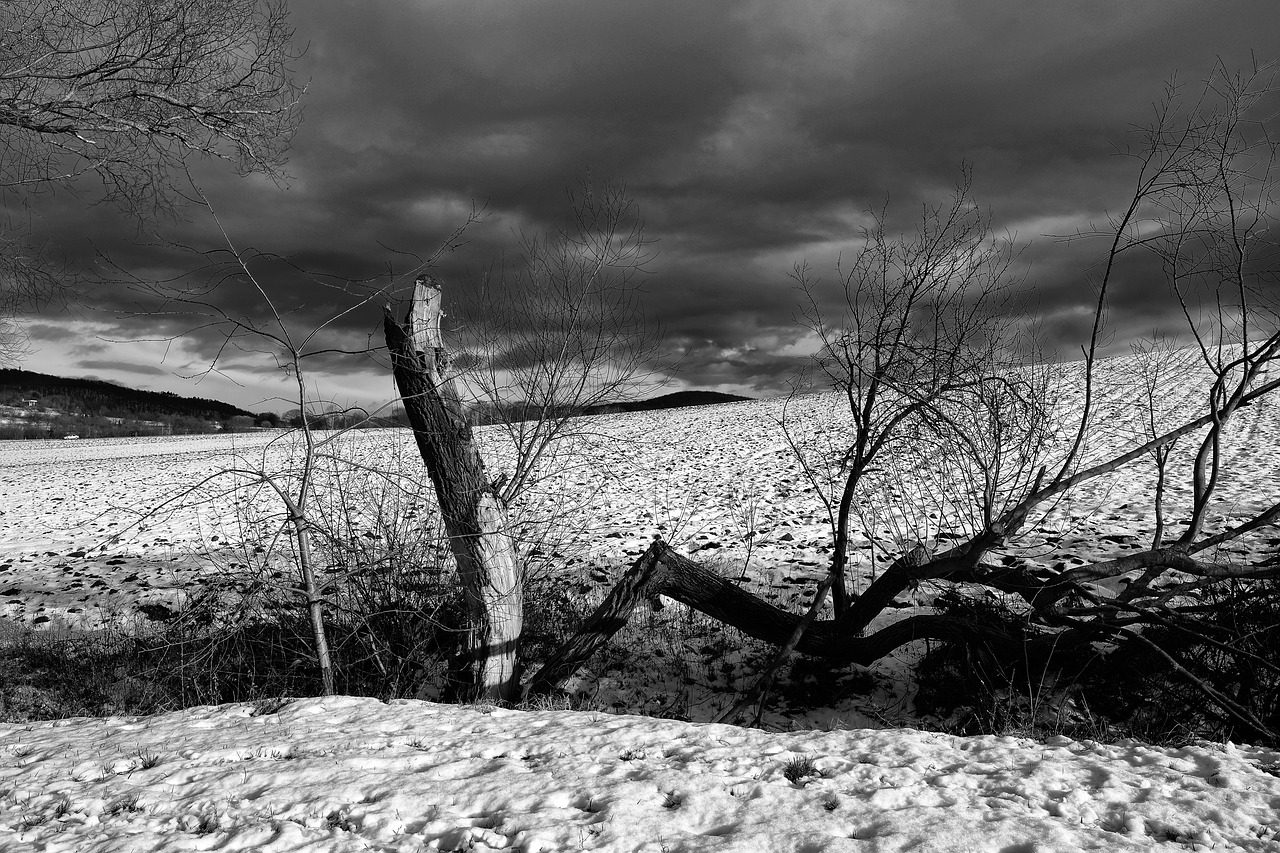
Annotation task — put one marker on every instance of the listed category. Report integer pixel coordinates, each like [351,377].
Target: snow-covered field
[79,548]
[348,774]
[88,528]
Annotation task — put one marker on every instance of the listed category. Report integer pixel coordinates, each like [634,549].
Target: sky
[752,136]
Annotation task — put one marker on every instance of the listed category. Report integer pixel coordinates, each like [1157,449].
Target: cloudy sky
[752,135]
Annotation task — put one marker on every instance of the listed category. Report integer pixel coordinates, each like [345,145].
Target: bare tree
[30,278]
[928,381]
[561,335]
[475,520]
[128,90]
[1160,362]
[198,298]
[292,349]
[568,347]
[918,331]
[562,330]
[126,93]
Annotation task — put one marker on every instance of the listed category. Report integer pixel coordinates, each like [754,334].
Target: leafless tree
[126,93]
[1160,362]
[562,334]
[574,341]
[562,331]
[917,334]
[198,299]
[30,278]
[917,347]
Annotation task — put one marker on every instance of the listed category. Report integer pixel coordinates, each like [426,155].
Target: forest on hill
[516,411]
[37,405]
[676,400]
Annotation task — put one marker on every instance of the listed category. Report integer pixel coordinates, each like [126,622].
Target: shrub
[44,676]
[552,613]
[1231,643]
[1126,685]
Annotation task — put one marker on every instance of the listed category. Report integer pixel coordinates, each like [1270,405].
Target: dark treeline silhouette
[37,405]
[517,411]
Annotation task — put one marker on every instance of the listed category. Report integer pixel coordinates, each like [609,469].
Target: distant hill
[489,413]
[37,405]
[677,400]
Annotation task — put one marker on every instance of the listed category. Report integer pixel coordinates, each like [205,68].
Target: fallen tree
[918,345]
[845,640]
[944,394]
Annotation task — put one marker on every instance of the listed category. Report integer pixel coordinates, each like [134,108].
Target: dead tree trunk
[474,519]
[662,571]
[843,640]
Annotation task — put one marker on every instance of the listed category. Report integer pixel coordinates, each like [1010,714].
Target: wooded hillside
[37,405]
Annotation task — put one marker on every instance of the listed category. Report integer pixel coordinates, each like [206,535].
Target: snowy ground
[80,548]
[88,528]
[347,774]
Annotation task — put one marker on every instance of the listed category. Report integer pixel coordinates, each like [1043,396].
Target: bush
[44,677]
[1125,687]
[393,610]
[393,606]
[552,614]
[1019,679]
[1231,643]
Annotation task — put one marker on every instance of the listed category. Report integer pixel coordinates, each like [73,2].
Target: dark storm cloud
[50,332]
[753,136]
[749,369]
[123,366]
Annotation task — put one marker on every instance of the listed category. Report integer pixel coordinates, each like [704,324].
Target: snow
[80,548]
[348,774]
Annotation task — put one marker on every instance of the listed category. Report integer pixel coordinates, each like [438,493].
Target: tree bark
[842,640]
[474,519]
[662,571]
[315,600]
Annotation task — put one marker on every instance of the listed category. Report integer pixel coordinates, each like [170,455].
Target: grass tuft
[800,767]
[144,759]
